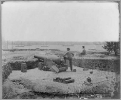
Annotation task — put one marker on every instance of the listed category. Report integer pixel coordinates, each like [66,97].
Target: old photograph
[60,49]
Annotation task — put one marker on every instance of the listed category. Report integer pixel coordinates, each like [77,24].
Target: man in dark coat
[68,56]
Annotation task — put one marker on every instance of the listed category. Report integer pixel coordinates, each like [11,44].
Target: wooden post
[40,66]
[23,67]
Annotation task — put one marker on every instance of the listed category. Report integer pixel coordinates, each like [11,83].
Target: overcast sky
[60,21]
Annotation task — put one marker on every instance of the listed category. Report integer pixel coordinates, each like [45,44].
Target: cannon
[55,59]
[51,62]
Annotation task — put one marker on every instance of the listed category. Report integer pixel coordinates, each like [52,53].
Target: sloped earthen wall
[102,64]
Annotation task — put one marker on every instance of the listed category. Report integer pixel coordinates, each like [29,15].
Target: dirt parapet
[31,64]
[41,85]
[101,64]
[6,70]
[17,89]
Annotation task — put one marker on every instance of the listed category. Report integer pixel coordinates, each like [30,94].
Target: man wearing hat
[68,56]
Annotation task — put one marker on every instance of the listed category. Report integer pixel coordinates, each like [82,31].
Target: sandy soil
[42,79]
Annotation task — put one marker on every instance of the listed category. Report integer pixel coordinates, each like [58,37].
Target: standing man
[68,56]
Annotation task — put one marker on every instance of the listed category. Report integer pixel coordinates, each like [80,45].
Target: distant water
[60,47]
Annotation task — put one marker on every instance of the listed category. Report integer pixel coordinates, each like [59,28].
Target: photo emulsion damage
[60,50]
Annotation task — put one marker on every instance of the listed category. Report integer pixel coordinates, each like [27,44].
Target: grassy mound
[6,70]
[102,64]
[18,89]
[16,65]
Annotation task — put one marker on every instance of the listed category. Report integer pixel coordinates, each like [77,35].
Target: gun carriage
[53,63]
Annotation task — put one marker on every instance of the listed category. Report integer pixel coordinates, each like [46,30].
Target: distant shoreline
[49,43]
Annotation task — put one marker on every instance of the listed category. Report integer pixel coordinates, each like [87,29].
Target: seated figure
[83,51]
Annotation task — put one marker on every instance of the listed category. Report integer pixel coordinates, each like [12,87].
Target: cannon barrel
[54,59]
[39,58]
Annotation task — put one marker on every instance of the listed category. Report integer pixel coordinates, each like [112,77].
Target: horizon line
[57,41]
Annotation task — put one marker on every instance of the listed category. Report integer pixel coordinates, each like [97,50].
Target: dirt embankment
[38,84]
[32,86]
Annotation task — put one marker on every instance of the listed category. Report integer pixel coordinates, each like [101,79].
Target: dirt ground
[40,80]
